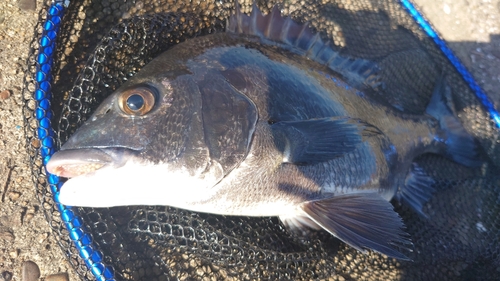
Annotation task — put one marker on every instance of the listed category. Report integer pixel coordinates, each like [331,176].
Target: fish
[265,119]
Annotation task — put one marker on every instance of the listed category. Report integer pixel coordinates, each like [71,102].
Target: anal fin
[363,221]
[417,189]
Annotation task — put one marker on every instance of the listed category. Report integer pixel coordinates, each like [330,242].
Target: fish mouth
[75,162]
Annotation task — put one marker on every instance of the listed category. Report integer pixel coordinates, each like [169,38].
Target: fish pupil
[135,102]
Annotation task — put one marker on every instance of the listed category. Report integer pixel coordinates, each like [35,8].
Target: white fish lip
[74,162]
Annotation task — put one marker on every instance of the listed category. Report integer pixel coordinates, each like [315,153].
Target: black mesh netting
[102,43]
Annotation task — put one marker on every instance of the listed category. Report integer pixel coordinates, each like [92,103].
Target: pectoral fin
[317,140]
[363,221]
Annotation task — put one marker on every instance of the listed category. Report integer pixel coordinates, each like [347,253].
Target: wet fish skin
[242,126]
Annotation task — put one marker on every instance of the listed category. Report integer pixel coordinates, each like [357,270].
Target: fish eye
[137,101]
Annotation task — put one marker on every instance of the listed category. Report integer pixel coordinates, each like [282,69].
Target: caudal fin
[460,146]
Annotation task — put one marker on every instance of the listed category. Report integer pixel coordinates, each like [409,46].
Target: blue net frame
[82,240]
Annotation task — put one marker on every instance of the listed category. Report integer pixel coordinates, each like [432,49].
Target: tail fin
[460,146]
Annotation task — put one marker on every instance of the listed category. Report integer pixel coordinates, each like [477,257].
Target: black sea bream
[263,120]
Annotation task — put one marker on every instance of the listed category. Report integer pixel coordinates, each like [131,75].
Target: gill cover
[229,119]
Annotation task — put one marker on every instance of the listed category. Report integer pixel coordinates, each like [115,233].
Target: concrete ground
[471,27]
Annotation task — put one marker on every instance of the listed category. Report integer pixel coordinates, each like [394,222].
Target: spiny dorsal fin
[275,29]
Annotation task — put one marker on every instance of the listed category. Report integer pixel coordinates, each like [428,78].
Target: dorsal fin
[275,29]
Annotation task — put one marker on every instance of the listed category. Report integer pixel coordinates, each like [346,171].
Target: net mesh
[103,43]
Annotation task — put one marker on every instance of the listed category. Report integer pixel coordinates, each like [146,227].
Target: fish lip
[70,163]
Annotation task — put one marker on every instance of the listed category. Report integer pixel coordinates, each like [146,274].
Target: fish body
[255,124]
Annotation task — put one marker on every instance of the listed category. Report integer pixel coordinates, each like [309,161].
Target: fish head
[162,137]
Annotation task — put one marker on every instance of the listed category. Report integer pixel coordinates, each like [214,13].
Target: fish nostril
[100,112]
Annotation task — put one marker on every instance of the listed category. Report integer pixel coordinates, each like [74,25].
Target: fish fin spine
[276,29]
[299,224]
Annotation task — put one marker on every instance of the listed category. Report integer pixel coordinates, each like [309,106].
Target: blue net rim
[79,235]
